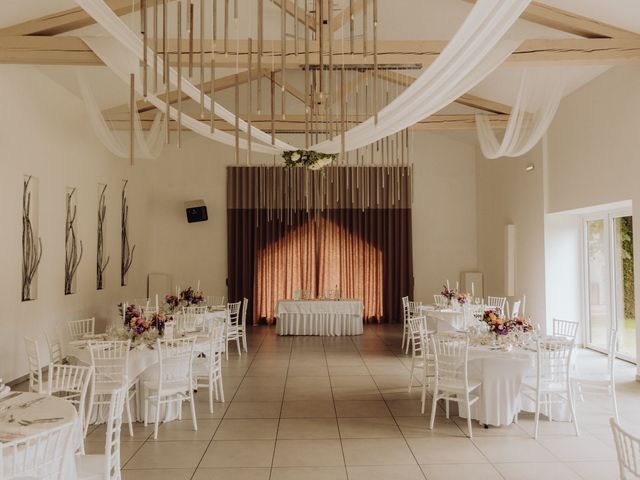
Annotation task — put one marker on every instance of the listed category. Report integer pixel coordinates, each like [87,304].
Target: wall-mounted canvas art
[31,243]
[126,250]
[72,245]
[102,259]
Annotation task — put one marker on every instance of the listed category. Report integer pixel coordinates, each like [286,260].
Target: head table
[319,317]
[143,364]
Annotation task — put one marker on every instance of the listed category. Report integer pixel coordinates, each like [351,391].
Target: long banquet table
[319,317]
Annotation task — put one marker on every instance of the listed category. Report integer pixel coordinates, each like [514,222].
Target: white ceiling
[399,20]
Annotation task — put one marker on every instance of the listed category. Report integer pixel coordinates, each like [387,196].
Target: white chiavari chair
[233,322]
[207,371]
[496,302]
[552,383]
[405,323]
[187,321]
[440,301]
[56,354]
[216,301]
[565,328]
[34,361]
[605,380]
[242,328]
[628,451]
[71,382]
[421,357]
[174,383]
[110,361]
[451,383]
[42,456]
[107,466]
[79,328]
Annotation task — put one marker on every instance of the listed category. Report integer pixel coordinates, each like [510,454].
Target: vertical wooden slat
[143,27]
[260,51]
[132,107]
[190,32]
[201,58]
[237,125]
[250,98]
[179,81]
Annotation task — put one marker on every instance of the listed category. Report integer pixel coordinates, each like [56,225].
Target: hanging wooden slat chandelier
[342,81]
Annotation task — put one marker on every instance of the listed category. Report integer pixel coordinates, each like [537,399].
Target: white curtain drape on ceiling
[477,48]
[538,99]
[148,145]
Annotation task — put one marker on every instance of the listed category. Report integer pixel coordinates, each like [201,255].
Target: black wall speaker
[196,211]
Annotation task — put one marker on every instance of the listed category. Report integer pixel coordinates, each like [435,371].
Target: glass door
[609,281]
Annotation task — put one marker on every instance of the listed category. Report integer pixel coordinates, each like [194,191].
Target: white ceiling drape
[147,145]
[477,49]
[539,96]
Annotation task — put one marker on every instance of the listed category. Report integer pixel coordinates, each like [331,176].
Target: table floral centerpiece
[463,298]
[448,293]
[497,325]
[186,298]
[138,327]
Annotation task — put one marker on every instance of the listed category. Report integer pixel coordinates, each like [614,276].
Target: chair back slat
[80,328]
[565,328]
[233,314]
[451,352]
[440,301]
[34,363]
[628,451]
[114,425]
[40,456]
[497,302]
[175,358]
[110,360]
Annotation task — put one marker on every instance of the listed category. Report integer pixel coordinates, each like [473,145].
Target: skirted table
[319,317]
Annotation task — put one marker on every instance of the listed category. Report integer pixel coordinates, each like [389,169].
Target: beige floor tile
[307,453]
[385,472]
[379,451]
[535,471]
[154,455]
[445,450]
[308,371]
[238,453]
[98,433]
[250,393]
[500,450]
[261,371]
[475,471]
[183,430]
[247,429]
[372,427]
[308,473]
[127,450]
[237,473]
[253,410]
[419,427]
[164,474]
[300,394]
[341,370]
[307,409]
[357,393]
[308,428]
[583,448]
[595,470]
[362,408]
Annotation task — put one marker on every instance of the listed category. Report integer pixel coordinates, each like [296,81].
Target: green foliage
[308,158]
[625,237]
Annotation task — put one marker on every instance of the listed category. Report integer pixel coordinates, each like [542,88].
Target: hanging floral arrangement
[308,158]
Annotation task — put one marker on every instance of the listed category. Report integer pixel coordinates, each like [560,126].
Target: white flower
[324,162]
[315,166]
[295,156]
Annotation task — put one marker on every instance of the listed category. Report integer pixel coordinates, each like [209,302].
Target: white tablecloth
[319,317]
[502,374]
[443,320]
[143,365]
[47,408]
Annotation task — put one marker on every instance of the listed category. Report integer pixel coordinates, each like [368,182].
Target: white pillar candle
[473,290]
[198,288]
[156,301]
[447,284]
[457,286]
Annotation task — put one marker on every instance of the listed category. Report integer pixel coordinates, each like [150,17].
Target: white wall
[508,194]
[44,132]
[444,227]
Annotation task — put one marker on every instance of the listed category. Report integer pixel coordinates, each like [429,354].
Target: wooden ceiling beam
[221,84]
[296,123]
[466,99]
[570,22]
[420,53]
[296,13]
[66,20]
[293,91]
[342,18]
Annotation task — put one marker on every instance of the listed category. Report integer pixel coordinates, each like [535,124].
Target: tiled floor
[311,408]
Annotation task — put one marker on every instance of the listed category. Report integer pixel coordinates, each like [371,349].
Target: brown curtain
[348,228]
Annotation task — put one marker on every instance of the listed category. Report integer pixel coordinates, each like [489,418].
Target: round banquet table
[502,374]
[46,406]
